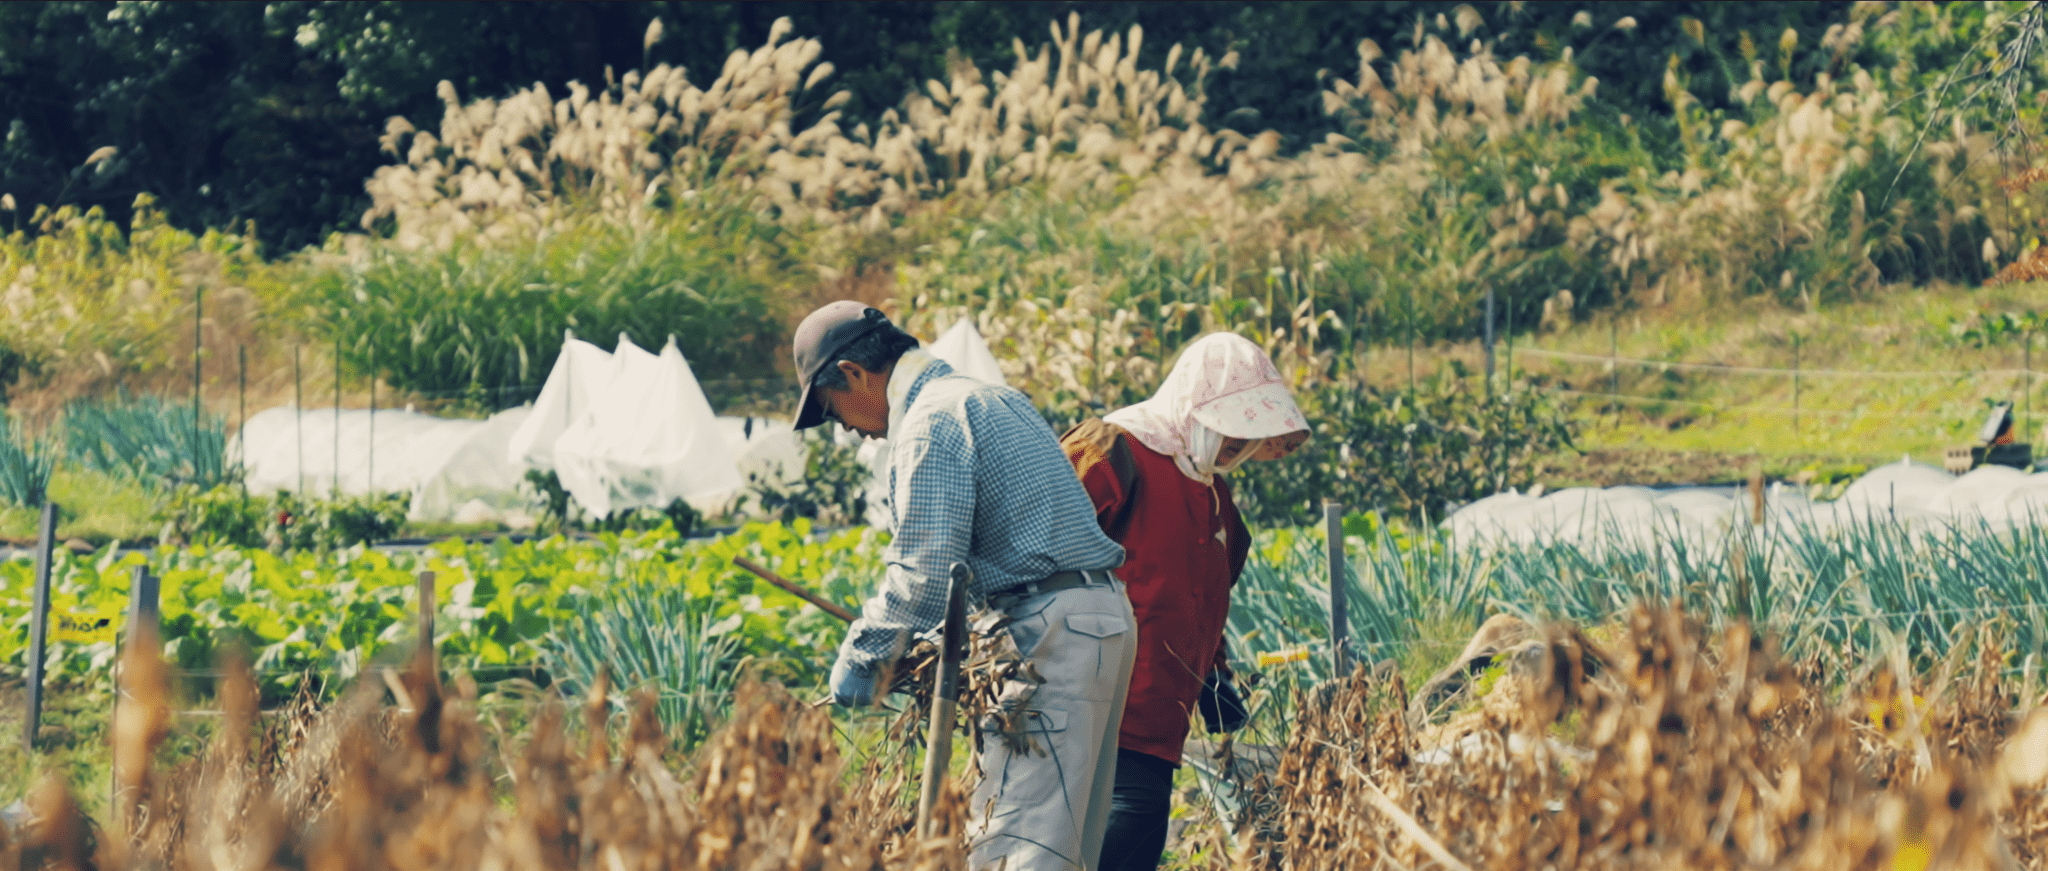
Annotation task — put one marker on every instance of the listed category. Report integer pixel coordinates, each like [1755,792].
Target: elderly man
[976,476]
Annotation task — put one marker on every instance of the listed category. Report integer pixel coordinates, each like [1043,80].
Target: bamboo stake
[198,322]
[242,416]
[336,486]
[370,474]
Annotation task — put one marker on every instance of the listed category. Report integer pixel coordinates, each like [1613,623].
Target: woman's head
[1223,404]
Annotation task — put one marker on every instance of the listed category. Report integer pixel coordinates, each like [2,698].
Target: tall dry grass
[419,785]
[88,309]
[1666,747]
[1650,744]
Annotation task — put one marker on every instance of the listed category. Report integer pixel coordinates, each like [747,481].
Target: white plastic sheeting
[648,438]
[476,484]
[1912,494]
[622,430]
[963,348]
[452,467]
[579,375]
[765,447]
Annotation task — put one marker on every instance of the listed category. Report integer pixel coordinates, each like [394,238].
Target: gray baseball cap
[819,339]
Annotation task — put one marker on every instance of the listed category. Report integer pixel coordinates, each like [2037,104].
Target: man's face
[864,406]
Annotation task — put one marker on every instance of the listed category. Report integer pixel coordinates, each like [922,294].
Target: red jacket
[1184,546]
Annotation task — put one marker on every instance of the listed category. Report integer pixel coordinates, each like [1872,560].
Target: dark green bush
[1402,452]
[558,513]
[833,490]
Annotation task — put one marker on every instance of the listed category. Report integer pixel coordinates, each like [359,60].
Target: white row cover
[640,433]
[621,430]
[1912,494]
[445,463]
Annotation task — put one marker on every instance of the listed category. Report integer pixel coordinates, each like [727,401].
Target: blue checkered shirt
[975,475]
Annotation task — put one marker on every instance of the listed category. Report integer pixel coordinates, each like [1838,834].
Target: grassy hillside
[1880,378]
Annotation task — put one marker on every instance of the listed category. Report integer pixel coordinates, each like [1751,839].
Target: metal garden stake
[427,619]
[39,627]
[1340,618]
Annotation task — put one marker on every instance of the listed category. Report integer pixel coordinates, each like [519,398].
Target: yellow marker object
[82,627]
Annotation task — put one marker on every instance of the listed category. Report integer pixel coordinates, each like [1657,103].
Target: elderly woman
[1155,472]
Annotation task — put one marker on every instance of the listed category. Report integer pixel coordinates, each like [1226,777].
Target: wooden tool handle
[793,589]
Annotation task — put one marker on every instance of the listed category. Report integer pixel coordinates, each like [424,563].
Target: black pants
[1138,812]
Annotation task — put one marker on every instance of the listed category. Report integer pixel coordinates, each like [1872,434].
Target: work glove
[851,687]
[1223,710]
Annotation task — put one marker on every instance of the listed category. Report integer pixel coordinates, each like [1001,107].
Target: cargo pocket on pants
[1030,776]
[1104,629]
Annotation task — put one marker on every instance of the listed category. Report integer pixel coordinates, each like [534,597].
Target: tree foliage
[270,113]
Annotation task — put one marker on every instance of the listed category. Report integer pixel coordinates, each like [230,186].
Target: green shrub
[558,512]
[483,323]
[218,516]
[833,490]
[554,500]
[284,522]
[92,303]
[340,521]
[678,515]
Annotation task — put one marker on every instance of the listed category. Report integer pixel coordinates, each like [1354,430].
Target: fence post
[1614,367]
[242,415]
[143,623]
[39,626]
[371,472]
[1493,445]
[299,410]
[1487,329]
[427,621]
[1340,603]
[1795,384]
[198,324]
[1410,295]
[1507,389]
[335,489]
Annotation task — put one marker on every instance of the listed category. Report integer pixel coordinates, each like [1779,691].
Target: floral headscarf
[1222,386]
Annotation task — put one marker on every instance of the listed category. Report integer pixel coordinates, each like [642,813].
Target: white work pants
[1047,810]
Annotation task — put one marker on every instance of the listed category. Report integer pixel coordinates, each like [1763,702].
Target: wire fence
[2019,392]
[1765,371]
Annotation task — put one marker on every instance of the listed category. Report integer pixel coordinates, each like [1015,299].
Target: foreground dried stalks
[1666,749]
[368,786]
